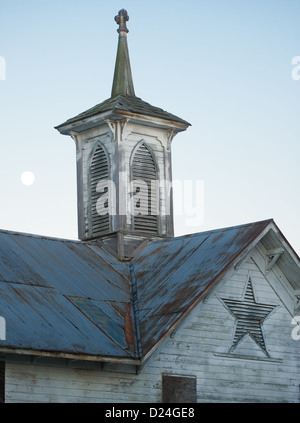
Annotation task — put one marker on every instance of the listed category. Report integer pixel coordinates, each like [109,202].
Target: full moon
[27,178]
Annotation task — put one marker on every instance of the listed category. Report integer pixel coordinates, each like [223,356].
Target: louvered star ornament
[249,316]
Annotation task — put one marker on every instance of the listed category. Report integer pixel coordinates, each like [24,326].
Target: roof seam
[136,316]
[70,299]
[108,263]
[26,284]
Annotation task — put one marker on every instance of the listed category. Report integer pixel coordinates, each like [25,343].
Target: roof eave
[286,244]
[70,356]
[100,119]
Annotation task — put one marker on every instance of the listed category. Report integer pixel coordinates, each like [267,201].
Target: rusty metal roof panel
[37,319]
[54,293]
[172,274]
[74,297]
[70,267]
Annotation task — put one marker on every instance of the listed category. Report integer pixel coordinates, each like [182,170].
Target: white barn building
[130,313]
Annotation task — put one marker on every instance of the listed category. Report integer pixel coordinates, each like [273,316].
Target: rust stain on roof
[66,296]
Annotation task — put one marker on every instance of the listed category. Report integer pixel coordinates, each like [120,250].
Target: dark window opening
[2,382]
[179,389]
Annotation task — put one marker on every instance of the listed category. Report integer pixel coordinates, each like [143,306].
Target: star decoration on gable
[249,316]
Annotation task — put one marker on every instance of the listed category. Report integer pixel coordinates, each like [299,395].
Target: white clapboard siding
[199,347]
[119,142]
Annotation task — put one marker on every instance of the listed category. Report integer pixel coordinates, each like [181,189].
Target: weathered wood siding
[120,146]
[199,347]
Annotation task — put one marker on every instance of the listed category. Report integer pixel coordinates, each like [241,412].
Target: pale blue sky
[223,65]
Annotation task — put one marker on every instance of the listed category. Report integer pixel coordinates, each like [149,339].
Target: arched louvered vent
[145,198]
[98,172]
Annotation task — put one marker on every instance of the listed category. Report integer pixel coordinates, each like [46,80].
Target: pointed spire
[123,83]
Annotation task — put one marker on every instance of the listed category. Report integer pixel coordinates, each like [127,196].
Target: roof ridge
[210,231]
[53,238]
[48,237]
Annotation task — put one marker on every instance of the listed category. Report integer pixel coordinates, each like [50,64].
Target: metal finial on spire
[122,83]
[121,20]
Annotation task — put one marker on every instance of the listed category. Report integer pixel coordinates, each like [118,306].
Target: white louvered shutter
[98,172]
[144,168]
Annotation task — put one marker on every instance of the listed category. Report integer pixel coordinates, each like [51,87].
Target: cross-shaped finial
[121,20]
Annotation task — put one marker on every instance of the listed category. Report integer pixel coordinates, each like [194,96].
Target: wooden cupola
[124,172]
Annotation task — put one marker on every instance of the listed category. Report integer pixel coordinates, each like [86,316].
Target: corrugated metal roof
[173,274]
[59,295]
[74,297]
